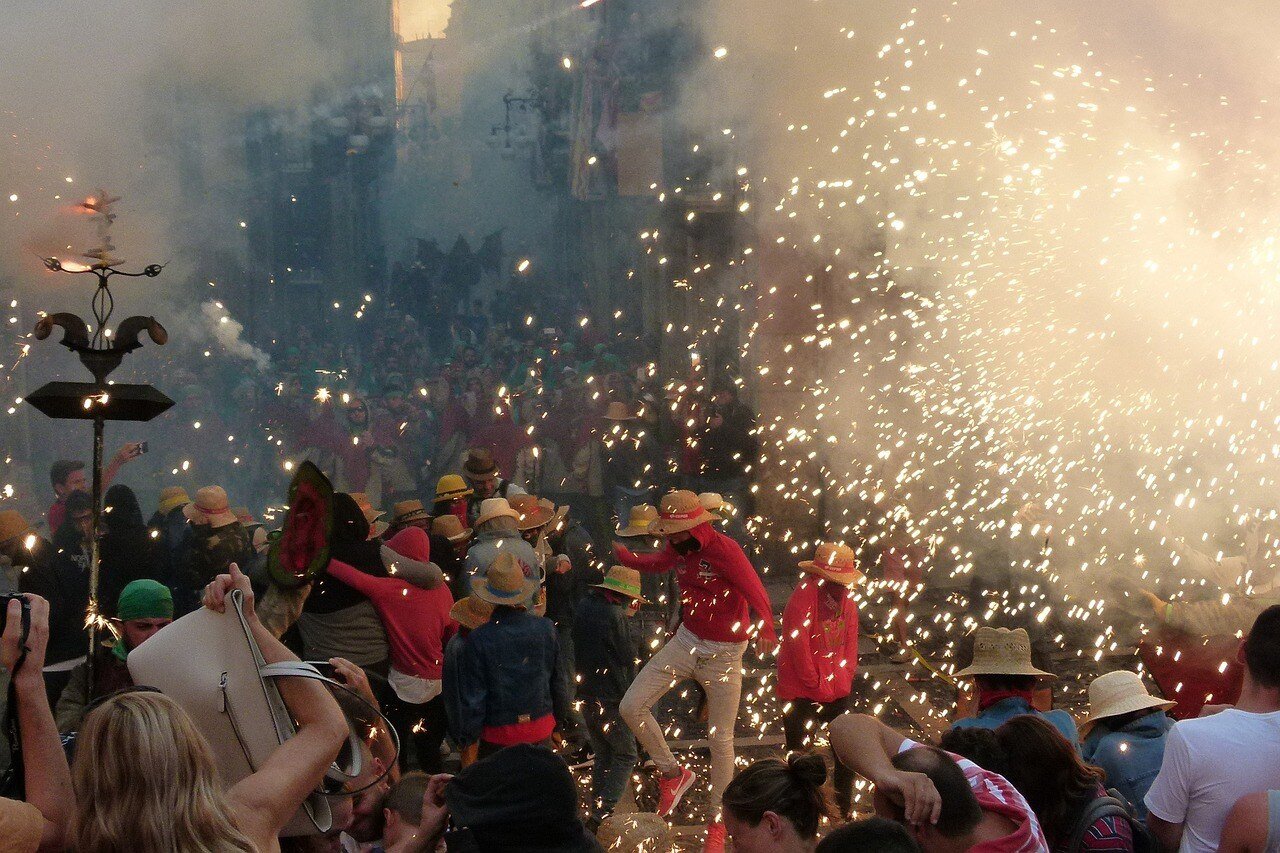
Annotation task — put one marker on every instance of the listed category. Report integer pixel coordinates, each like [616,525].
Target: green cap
[145,599]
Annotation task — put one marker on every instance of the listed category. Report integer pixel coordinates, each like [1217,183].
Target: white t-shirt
[1209,763]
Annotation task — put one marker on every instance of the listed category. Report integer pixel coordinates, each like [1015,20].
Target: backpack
[1112,804]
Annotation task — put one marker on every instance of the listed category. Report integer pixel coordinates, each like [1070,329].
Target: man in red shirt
[947,802]
[718,588]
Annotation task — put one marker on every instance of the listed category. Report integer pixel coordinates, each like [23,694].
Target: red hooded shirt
[819,655]
[717,583]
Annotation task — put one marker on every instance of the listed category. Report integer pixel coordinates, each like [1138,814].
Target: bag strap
[304,669]
[1101,807]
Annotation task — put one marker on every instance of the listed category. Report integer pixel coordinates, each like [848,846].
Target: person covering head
[504,583]
[638,521]
[678,512]
[1002,651]
[210,507]
[835,562]
[520,798]
[450,487]
[172,497]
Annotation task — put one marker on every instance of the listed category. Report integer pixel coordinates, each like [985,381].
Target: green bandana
[145,599]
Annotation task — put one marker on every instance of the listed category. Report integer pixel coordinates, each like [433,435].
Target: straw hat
[1000,651]
[618,412]
[210,507]
[405,512]
[491,508]
[638,520]
[642,832]
[834,561]
[13,525]
[172,497]
[504,582]
[532,512]
[452,486]
[679,511]
[470,612]
[558,513]
[377,527]
[243,516]
[1120,692]
[623,580]
[479,463]
[715,502]
[450,528]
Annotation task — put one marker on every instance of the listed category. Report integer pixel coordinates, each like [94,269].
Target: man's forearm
[45,770]
[865,745]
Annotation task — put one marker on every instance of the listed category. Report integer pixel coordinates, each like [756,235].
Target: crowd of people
[492,625]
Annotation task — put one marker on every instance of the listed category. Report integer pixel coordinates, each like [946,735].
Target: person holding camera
[42,821]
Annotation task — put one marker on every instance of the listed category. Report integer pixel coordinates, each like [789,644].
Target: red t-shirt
[995,794]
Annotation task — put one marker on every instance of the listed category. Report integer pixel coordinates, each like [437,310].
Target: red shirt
[717,583]
[417,620]
[57,515]
[534,731]
[819,655]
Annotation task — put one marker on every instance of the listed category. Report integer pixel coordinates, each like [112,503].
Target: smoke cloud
[226,331]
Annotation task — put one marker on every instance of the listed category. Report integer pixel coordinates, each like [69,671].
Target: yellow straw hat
[172,497]
[452,486]
[471,612]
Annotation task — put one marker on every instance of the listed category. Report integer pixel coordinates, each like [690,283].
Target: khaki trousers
[718,668]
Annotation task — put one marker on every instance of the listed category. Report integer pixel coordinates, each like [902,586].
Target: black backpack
[1112,804]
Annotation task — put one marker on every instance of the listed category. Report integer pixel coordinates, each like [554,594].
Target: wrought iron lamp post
[99,400]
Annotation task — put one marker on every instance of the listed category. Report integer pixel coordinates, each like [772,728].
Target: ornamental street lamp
[99,401]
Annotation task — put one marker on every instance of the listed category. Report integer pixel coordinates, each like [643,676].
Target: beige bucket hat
[1001,651]
[834,561]
[679,511]
[491,508]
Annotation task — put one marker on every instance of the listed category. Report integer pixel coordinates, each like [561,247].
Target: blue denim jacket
[506,670]
[450,681]
[1007,709]
[1131,755]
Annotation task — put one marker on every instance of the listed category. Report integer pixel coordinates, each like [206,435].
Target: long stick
[99,424]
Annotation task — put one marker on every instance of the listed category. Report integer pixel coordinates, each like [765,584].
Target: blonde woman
[145,778]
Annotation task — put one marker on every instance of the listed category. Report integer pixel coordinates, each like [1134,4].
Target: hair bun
[809,769]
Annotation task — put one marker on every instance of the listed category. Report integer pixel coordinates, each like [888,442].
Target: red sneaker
[671,790]
[715,838]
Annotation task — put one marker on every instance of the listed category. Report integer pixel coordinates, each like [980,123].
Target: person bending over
[774,806]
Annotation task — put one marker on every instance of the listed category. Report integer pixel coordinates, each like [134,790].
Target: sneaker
[715,838]
[671,790]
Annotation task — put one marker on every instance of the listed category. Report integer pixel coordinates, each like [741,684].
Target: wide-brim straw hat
[470,612]
[1117,693]
[405,512]
[210,507]
[715,502]
[835,562]
[638,520]
[532,512]
[504,582]
[491,508]
[1001,651]
[13,525]
[679,511]
[622,580]
[452,486]
[172,497]
[479,463]
[617,411]
[450,528]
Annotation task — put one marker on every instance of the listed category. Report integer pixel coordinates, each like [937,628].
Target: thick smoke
[1031,247]
[227,332]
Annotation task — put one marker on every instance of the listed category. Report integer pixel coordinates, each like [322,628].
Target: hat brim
[667,526]
[166,507]
[502,513]
[992,669]
[416,515]
[195,514]
[481,590]
[377,528]
[465,616]
[541,518]
[454,495]
[1145,702]
[635,596]
[848,578]
[471,472]
[632,530]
